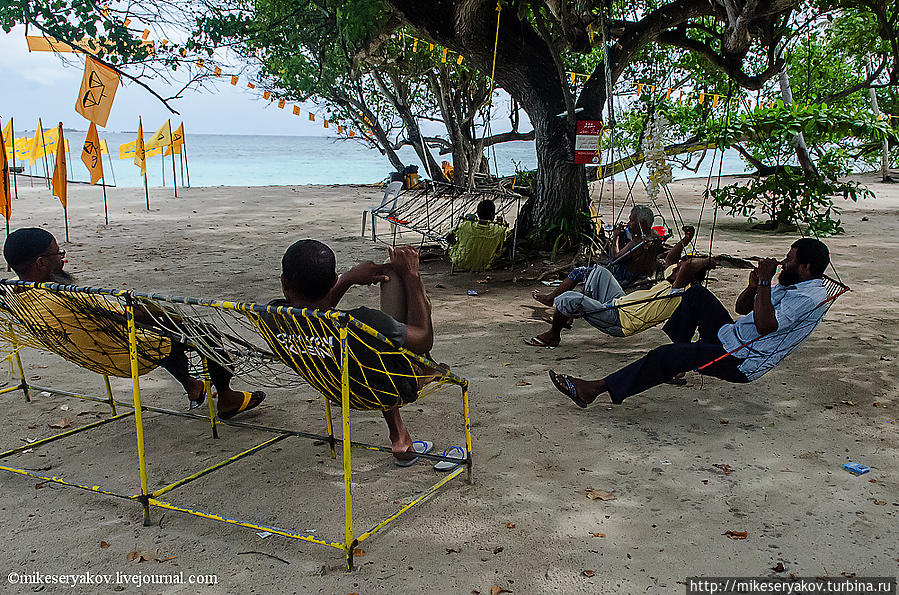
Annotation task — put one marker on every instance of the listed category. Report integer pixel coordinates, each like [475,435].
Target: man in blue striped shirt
[775,321]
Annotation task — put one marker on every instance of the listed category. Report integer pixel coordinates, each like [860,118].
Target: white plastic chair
[390,196]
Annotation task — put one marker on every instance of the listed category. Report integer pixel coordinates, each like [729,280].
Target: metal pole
[65,213]
[44,151]
[345,413]
[186,160]
[147,192]
[181,159]
[138,410]
[105,207]
[174,179]
[162,167]
[114,183]
[12,133]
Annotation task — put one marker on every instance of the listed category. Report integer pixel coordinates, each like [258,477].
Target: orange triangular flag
[98,87]
[59,172]
[90,154]
[5,197]
[140,151]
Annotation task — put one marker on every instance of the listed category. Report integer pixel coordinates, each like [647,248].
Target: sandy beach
[685,464]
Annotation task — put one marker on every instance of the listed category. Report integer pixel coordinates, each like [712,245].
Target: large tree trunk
[525,69]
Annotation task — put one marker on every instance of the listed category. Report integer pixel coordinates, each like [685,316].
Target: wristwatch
[764,283]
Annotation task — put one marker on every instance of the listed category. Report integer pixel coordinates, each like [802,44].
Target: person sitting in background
[78,326]
[635,248]
[606,307]
[477,240]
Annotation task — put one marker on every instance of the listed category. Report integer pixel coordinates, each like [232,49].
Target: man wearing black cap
[78,327]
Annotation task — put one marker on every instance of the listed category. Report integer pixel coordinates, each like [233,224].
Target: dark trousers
[699,309]
[176,363]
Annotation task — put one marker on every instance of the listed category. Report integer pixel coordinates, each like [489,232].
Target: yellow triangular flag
[140,151]
[35,152]
[161,138]
[8,140]
[177,141]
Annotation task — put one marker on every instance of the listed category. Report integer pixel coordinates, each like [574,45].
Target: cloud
[43,68]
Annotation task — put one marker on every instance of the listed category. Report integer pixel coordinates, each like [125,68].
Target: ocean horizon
[274,160]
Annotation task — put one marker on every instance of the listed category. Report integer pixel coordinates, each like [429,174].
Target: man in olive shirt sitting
[309,280]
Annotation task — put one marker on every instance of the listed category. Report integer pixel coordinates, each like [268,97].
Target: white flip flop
[453,452]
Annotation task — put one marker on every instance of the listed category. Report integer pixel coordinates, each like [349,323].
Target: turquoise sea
[236,160]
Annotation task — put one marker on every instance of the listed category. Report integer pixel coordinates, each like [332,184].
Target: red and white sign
[586,142]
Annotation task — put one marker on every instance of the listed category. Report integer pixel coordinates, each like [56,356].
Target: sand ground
[525,524]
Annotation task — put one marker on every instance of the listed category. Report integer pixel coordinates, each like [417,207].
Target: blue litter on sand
[856,468]
[472,292]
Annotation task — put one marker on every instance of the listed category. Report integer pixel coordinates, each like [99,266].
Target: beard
[63,278]
[788,277]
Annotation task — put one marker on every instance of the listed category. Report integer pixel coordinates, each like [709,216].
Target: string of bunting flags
[699,96]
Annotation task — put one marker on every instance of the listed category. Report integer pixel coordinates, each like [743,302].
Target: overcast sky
[40,84]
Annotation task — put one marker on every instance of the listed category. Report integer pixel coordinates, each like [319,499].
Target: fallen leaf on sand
[496,590]
[510,525]
[598,534]
[850,403]
[736,534]
[141,556]
[879,502]
[498,549]
[358,552]
[599,494]
[726,469]
[63,423]
[779,567]
[103,545]
[450,550]
[589,573]
[848,574]
[523,383]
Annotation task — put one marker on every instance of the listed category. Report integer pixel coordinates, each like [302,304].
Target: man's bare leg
[400,439]
[553,336]
[393,298]
[547,298]
[393,303]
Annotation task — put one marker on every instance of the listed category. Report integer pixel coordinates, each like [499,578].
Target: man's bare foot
[402,448]
[547,339]
[544,298]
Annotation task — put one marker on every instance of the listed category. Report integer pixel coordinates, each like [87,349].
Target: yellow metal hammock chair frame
[350,363]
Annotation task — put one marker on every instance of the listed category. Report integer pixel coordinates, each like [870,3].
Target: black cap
[24,245]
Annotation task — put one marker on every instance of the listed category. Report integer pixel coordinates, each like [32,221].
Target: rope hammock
[430,214]
[270,347]
[350,363]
